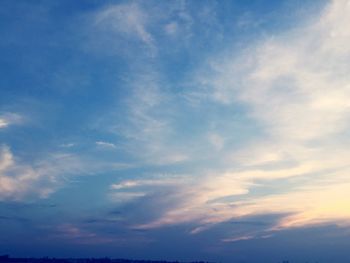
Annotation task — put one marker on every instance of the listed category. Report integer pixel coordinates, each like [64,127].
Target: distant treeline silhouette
[8,259]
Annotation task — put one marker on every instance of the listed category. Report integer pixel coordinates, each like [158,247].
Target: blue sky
[179,130]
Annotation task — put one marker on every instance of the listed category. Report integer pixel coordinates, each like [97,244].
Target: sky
[177,130]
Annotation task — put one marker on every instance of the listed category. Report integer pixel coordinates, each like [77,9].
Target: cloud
[187,199]
[129,20]
[171,28]
[21,181]
[286,82]
[7,119]
[239,238]
[145,182]
[216,140]
[129,190]
[295,87]
[155,28]
[105,144]
[3,123]
[76,235]
[17,180]
[146,123]
[67,145]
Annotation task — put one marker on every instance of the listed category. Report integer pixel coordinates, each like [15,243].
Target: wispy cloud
[127,19]
[21,180]
[105,144]
[191,131]
[67,145]
[3,123]
[8,119]
[17,180]
[295,86]
[239,238]
[76,235]
[147,124]
[300,100]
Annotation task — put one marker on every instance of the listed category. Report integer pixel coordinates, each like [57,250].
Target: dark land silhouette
[8,259]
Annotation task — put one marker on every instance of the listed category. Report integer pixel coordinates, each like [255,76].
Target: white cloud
[296,86]
[239,238]
[3,123]
[127,19]
[171,28]
[147,123]
[105,144]
[17,180]
[146,182]
[67,145]
[20,180]
[7,119]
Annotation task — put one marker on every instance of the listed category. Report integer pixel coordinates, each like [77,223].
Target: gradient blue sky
[179,130]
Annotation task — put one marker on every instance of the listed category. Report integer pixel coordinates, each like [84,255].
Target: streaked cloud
[67,145]
[127,19]
[75,235]
[105,144]
[236,239]
[20,180]
[296,87]
[3,123]
[205,123]
[17,180]
[7,119]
